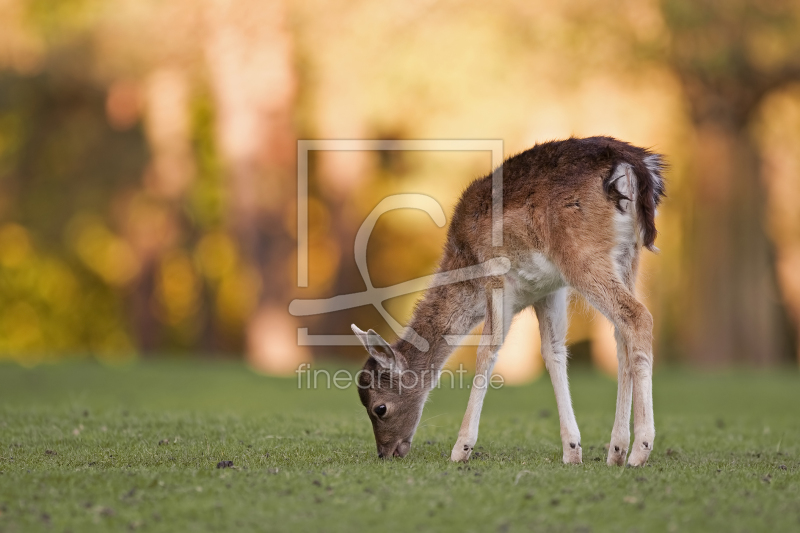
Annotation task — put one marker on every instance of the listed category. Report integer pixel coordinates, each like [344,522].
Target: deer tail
[638,179]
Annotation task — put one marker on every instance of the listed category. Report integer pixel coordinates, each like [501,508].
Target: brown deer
[575,214]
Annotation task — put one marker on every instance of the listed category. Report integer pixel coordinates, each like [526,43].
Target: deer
[575,214]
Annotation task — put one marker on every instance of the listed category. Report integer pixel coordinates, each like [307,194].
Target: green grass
[727,456]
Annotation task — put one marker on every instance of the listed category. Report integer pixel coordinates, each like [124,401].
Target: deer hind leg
[621,432]
[495,327]
[627,266]
[599,283]
[552,314]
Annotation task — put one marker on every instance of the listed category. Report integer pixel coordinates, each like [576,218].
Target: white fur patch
[626,228]
[625,232]
[533,279]
[624,181]
[539,271]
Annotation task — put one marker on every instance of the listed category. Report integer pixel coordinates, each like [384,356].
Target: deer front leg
[491,340]
[621,432]
[552,315]
[468,434]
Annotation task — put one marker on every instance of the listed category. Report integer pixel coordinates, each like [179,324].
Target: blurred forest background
[148,158]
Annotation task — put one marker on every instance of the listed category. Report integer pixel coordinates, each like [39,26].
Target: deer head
[392,393]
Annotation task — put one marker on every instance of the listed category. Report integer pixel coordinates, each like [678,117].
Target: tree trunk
[734,313]
[146,326]
[153,220]
[249,54]
[734,310]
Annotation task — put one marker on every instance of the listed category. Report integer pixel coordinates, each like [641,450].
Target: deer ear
[380,350]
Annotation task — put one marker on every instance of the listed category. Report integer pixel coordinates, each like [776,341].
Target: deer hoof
[573,454]
[461,452]
[640,453]
[616,455]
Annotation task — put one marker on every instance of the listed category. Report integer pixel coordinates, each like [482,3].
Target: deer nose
[402,449]
[398,449]
[388,451]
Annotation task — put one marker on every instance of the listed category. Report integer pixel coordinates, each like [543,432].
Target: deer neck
[443,310]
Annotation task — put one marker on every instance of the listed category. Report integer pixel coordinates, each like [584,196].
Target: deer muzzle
[398,449]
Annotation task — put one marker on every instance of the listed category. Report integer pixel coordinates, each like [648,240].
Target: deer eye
[380,410]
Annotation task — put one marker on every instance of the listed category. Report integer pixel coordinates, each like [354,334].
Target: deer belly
[537,277]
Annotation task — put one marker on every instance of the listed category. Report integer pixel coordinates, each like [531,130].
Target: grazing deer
[575,213]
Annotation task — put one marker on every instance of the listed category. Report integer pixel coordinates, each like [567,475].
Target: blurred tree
[60,162]
[146,57]
[779,136]
[250,60]
[147,157]
[153,216]
[729,56]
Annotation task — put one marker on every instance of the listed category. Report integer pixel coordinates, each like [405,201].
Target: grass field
[85,447]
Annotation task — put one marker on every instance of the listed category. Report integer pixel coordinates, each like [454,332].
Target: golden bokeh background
[148,164]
